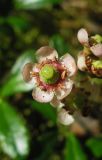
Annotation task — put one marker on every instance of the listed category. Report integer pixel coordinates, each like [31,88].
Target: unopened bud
[82,36]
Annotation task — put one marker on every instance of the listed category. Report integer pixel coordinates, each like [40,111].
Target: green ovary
[49,74]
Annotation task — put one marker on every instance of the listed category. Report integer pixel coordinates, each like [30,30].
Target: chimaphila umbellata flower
[51,76]
[90,58]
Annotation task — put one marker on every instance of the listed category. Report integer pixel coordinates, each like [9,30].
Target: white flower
[51,76]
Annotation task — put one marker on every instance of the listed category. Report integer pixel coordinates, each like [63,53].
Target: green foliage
[13,133]
[34,4]
[95,145]
[73,149]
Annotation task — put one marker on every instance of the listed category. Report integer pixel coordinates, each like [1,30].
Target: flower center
[49,74]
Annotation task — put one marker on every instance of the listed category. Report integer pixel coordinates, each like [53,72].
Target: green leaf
[59,44]
[34,4]
[17,22]
[45,109]
[95,145]
[73,150]
[14,139]
[15,83]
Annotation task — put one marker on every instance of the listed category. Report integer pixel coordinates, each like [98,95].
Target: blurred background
[28,129]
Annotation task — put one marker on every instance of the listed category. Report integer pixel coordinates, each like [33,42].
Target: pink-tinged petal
[42,96]
[65,91]
[46,52]
[81,62]
[56,103]
[68,61]
[97,50]
[82,36]
[64,117]
[26,72]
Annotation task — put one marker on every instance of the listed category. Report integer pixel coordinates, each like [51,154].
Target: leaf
[73,149]
[17,22]
[59,44]
[34,4]
[14,139]
[95,145]
[46,110]
[15,83]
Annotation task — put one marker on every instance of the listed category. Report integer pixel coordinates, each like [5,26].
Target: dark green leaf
[17,22]
[59,44]
[95,145]
[45,109]
[34,4]
[14,139]
[73,150]
[15,83]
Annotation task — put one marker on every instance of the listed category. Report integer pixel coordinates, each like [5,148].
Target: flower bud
[82,36]
[64,117]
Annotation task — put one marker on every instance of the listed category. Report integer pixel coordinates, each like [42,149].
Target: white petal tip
[61,93]
[97,50]
[68,61]
[46,52]
[42,96]
[82,36]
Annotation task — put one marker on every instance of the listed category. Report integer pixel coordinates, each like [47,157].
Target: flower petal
[56,103]
[97,50]
[64,117]
[42,96]
[63,92]
[46,53]
[68,61]
[81,62]
[82,36]
[26,72]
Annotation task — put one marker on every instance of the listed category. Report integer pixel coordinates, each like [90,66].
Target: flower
[82,36]
[51,76]
[94,43]
[52,79]
[91,54]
